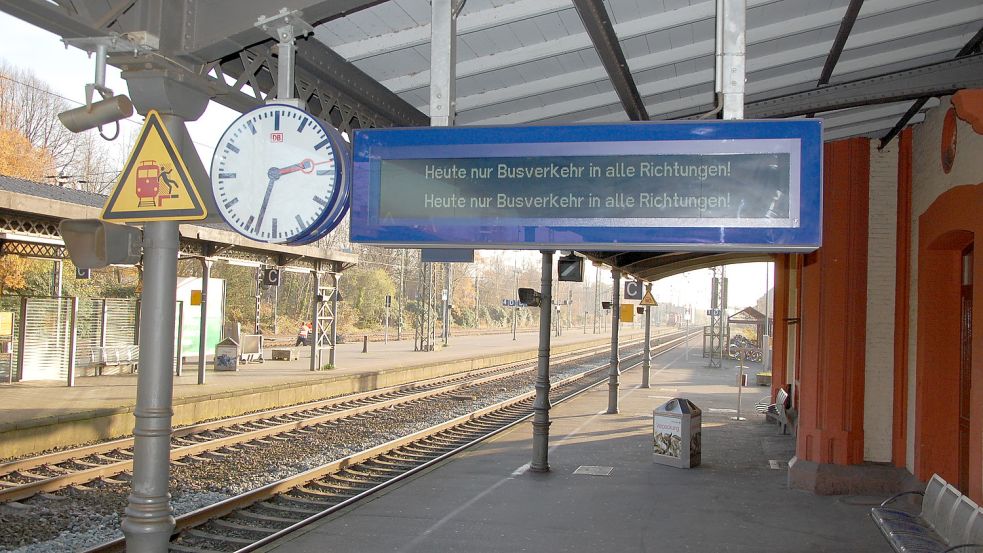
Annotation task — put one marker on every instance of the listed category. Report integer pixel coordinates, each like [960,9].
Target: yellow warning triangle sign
[648,299]
[155,184]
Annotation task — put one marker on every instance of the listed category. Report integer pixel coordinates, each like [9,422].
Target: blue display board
[690,186]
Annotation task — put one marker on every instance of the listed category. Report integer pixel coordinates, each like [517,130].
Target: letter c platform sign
[633,290]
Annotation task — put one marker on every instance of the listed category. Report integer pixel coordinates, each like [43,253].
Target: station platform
[486,500]
[40,415]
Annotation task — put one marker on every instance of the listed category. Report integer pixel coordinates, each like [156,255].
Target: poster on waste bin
[668,436]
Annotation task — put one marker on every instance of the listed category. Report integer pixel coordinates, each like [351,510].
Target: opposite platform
[486,500]
[40,415]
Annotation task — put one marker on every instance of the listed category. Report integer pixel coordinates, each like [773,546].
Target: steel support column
[541,405]
[443,96]
[315,309]
[613,370]
[733,58]
[56,280]
[178,358]
[335,277]
[259,292]
[206,271]
[73,319]
[148,520]
[443,61]
[647,352]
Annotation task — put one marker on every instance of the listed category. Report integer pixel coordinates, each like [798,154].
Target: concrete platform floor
[487,501]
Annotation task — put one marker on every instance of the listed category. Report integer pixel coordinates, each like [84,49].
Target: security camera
[97,114]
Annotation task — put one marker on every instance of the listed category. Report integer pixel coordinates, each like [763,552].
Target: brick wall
[879,360]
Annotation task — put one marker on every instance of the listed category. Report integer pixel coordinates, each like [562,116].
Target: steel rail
[110,469]
[124,443]
[228,506]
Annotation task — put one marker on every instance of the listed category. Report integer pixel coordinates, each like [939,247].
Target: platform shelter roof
[748,315]
[30,213]
[866,68]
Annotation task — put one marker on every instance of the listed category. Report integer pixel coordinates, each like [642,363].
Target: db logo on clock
[276,137]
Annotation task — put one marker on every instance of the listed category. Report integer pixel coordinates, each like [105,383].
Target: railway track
[258,517]
[25,478]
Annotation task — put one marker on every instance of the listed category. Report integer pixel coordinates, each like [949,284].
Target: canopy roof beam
[601,31]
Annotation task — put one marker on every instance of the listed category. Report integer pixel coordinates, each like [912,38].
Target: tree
[19,158]
[13,269]
[364,291]
[29,111]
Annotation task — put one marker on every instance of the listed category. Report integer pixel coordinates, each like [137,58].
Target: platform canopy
[866,68]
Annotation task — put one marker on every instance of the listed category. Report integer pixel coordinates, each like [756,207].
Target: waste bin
[227,355]
[676,423]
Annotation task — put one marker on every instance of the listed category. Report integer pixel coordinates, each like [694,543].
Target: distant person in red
[305,330]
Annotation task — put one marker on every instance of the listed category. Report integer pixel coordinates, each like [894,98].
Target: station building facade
[874,330]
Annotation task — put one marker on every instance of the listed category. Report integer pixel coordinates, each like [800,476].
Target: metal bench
[115,356]
[781,411]
[948,521]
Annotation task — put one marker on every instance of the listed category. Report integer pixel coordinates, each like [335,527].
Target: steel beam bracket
[285,27]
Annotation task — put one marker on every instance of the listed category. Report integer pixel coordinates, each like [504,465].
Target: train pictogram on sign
[151,179]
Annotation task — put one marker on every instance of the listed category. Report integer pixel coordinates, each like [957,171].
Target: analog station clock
[280,176]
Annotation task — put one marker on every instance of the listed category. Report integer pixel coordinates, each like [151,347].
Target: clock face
[277,173]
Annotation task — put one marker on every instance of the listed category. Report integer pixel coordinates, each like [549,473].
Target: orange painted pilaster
[834,312]
[902,287]
[779,357]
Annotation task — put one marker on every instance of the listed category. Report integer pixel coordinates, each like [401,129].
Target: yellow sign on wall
[627,312]
[196,297]
[6,323]
[155,184]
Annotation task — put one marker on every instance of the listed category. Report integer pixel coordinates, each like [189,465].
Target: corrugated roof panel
[531,60]
[418,11]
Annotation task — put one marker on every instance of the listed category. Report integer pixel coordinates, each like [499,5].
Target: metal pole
[206,271]
[741,355]
[447,302]
[312,335]
[148,521]
[334,318]
[259,287]
[179,361]
[443,96]
[597,297]
[647,354]
[515,308]
[615,315]
[402,294]
[21,341]
[541,405]
[56,279]
[276,303]
[732,62]
[72,339]
[585,304]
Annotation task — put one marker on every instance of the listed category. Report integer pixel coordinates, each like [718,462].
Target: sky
[67,70]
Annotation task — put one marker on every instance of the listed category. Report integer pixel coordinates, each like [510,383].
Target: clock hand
[274,175]
[305,166]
